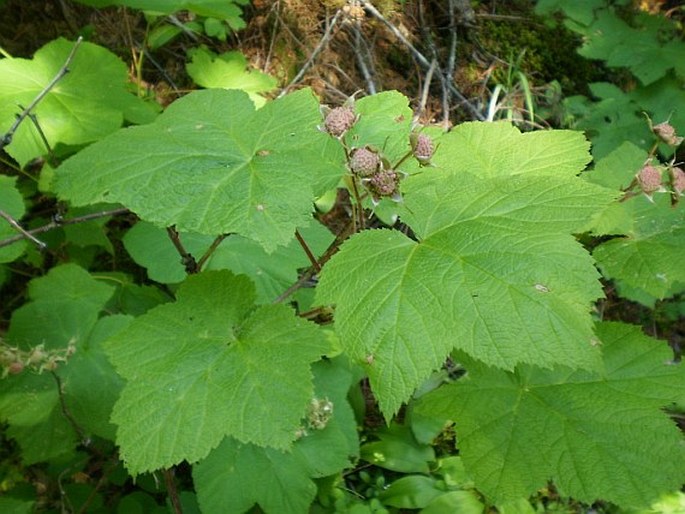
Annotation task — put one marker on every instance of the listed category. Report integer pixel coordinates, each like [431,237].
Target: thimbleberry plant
[472,317]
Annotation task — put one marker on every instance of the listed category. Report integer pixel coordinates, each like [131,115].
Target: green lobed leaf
[644,48]
[207,366]
[211,164]
[501,150]
[85,105]
[494,271]
[29,404]
[597,435]
[12,203]
[384,123]
[236,476]
[648,257]
[65,305]
[229,71]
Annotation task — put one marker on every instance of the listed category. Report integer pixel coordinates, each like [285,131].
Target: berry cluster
[14,361]
[380,178]
[319,413]
[657,178]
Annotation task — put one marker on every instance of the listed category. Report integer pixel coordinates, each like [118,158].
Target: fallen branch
[322,43]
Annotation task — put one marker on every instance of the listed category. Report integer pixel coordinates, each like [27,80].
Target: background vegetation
[109,243]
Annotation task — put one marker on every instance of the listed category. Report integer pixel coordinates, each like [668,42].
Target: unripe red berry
[364,162]
[15,368]
[423,148]
[667,134]
[649,179]
[678,179]
[384,183]
[339,120]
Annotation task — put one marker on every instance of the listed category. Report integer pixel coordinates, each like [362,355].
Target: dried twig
[6,139]
[426,89]
[322,43]
[361,61]
[56,224]
[422,60]
[23,234]
[267,62]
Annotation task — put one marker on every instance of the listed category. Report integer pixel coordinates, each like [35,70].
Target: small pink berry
[339,121]
[15,368]
[678,179]
[649,179]
[667,134]
[384,183]
[364,162]
[423,148]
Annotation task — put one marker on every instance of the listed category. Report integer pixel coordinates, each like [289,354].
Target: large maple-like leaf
[211,164]
[207,366]
[494,270]
[597,435]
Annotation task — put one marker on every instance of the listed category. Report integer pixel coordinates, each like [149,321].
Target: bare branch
[423,61]
[23,233]
[361,61]
[56,224]
[322,43]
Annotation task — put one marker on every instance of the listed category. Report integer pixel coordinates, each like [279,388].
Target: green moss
[542,52]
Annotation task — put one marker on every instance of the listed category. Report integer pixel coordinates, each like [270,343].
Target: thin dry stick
[7,138]
[425,90]
[322,43]
[56,224]
[451,62]
[361,62]
[267,61]
[452,59]
[23,234]
[434,51]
